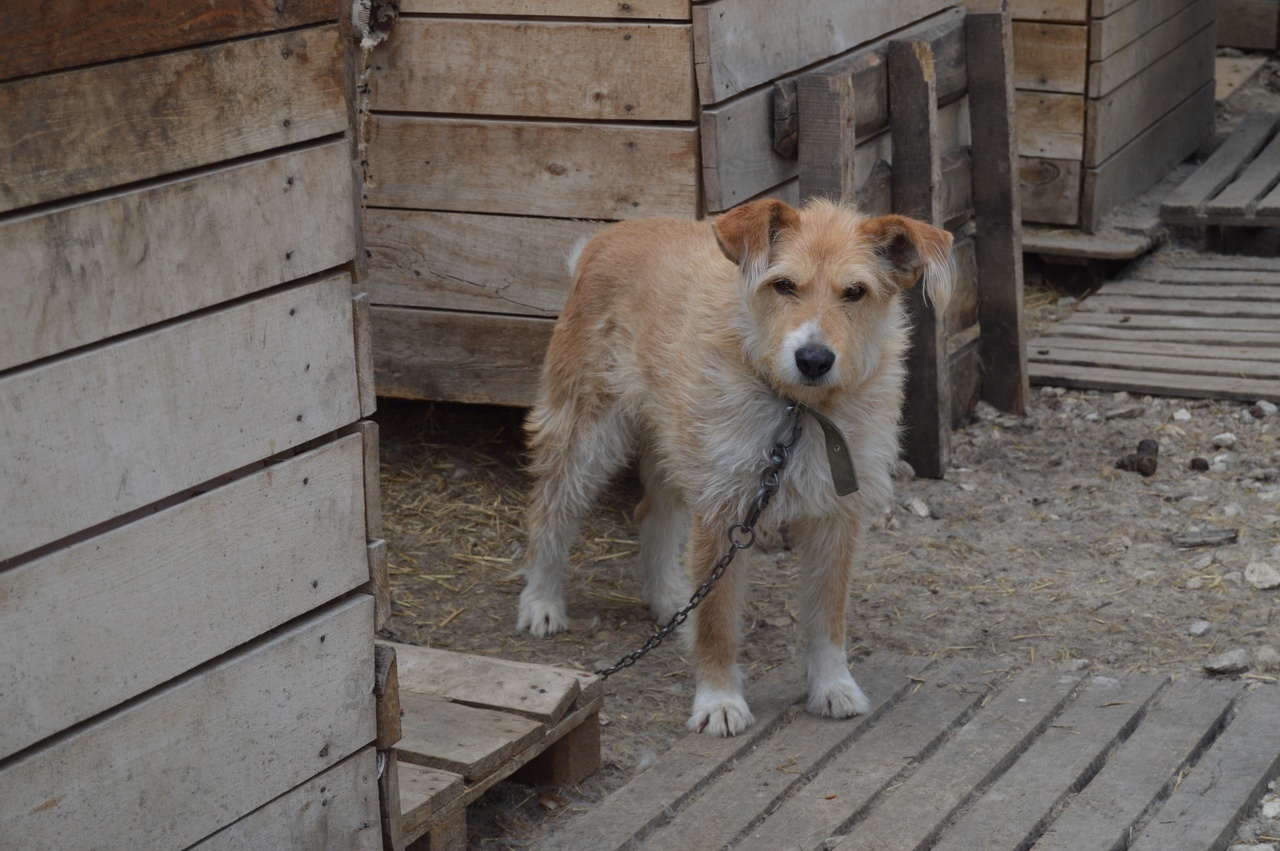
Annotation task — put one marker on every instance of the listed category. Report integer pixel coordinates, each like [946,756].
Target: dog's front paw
[839,698]
[720,713]
[540,616]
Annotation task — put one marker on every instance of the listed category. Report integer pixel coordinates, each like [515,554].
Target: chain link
[741,535]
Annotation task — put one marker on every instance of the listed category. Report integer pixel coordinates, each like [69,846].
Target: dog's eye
[784,286]
[854,293]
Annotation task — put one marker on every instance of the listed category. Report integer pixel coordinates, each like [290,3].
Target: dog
[680,346]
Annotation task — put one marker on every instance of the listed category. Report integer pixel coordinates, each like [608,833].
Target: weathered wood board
[89,437]
[464,740]
[155,773]
[1139,54]
[1050,125]
[170,572]
[84,272]
[536,69]
[1237,185]
[968,755]
[1060,11]
[1127,23]
[532,168]
[336,810]
[1050,190]
[143,118]
[1050,57]
[1248,23]
[675,10]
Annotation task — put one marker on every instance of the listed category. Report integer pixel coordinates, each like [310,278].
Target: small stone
[1195,583]
[1091,417]
[1246,418]
[1122,396]
[1234,577]
[1232,662]
[1067,301]
[1199,465]
[1257,846]
[1128,412]
[1199,628]
[1267,658]
[1226,440]
[918,506]
[1271,807]
[1202,563]
[1218,467]
[1182,415]
[1263,408]
[1075,664]
[1262,576]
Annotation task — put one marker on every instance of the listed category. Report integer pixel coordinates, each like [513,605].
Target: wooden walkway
[958,754]
[1180,324]
[1237,185]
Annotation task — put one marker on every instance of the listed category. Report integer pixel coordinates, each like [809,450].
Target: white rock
[1218,467]
[1203,562]
[1122,396]
[1226,440]
[1195,583]
[1257,846]
[1267,658]
[1231,662]
[1067,301]
[1230,510]
[1182,415]
[1198,628]
[1267,409]
[918,506]
[1262,576]
[1233,576]
[1271,807]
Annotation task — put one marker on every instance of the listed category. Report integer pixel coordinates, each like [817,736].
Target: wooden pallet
[960,754]
[1237,185]
[1203,326]
[467,722]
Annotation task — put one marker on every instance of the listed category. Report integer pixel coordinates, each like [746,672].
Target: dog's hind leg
[827,547]
[575,453]
[664,523]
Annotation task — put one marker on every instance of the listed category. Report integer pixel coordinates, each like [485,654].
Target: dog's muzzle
[814,361]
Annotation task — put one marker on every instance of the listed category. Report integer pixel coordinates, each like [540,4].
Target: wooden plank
[1113,31]
[1048,354]
[386,693]
[155,773]
[1107,244]
[1050,190]
[1182,206]
[38,36]
[1148,158]
[1250,24]
[1102,8]
[1170,322]
[379,582]
[1158,347]
[1165,384]
[915,811]
[462,739]
[538,692]
[85,272]
[105,126]
[287,539]
[574,758]
[1050,57]
[1123,334]
[1188,272]
[1133,58]
[998,211]
[1059,11]
[582,171]
[964,375]
[1065,757]
[827,136]
[1102,302]
[1143,770]
[677,10]
[368,431]
[472,357]
[389,818]
[1122,115]
[362,333]
[738,44]
[1208,290]
[1224,785]
[333,811]
[537,69]
[918,724]
[1050,125]
[458,261]
[962,310]
[1255,181]
[92,436]
[917,179]
[1267,210]
[1232,72]
[423,792]
[956,188]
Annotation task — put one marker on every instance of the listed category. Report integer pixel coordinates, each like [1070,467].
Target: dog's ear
[746,234]
[912,249]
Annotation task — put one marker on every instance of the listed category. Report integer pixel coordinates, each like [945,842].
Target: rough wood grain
[462,739]
[608,72]
[102,127]
[1254,181]
[286,539]
[95,435]
[84,272]
[38,36]
[473,357]
[1182,206]
[1249,24]
[677,10]
[336,810]
[1050,190]
[389,816]
[1044,353]
[586,171]
[1061,11]
[272,715]
[743,43]
[1210,288]
[538,692]
[827,136]
[1141,53]
[362,332]
[1134,321]
[1165,384]
[461,261]
[368,432]
[1111,32]
[386,694]
[1131,304]
[379,582]
[423,792]
[1050,57]
[1103,341]
[1050,124]
[572,759]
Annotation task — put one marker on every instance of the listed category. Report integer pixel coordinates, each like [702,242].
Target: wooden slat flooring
[958,754]
[1205,326]
[1236,186]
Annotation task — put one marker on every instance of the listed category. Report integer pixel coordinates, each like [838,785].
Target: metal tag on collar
[843,475]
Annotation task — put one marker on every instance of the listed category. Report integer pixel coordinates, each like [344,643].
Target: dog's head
[821,285]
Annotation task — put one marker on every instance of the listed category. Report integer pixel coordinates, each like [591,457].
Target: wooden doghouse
[188,497]
[499,133]
[1111,95]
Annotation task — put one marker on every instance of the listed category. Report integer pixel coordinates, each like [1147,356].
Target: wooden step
[469,722]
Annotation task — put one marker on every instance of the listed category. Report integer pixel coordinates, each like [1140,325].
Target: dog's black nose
[814,361]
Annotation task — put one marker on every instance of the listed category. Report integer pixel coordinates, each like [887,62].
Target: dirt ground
[1035,548]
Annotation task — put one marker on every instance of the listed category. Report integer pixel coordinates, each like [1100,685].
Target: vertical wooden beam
[997,208]
[389,801]
[386,693]
[379,583]
[364,352]
[917,192]
[826,136]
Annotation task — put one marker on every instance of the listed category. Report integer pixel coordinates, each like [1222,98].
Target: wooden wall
[189,500]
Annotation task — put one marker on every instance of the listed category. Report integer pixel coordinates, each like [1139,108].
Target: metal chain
[741,535]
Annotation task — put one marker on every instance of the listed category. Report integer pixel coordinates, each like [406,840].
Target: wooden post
[572,759]
[389,801]
[997,210]
[827,135]
[917,192]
